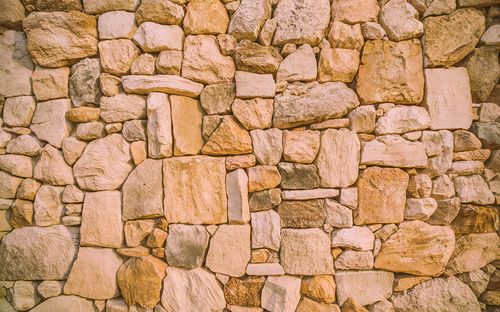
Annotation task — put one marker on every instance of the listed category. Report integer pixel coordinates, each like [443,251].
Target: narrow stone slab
[171,84]
[309,194]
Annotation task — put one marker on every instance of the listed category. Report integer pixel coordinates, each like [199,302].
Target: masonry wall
[253,155]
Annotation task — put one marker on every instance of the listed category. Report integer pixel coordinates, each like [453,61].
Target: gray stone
[16,65]
[298,176]
[186,245]
[84,82]
[484,72]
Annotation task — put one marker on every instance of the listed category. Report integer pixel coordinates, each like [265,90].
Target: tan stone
[205,17]
[353,284]
[380,64]
[93,274]
[16,64]
[49,122]
[116,25]
[159,127]
[24,145]
[472,252]
[230,138]
[12,14]
[136,231]
[408,281]
[98,7]
[355,11]
[300,146]
[17,165]
[207,198]
[267,146]
[18,111]
[400,20]
[58,39]
[110,85]
[473,189]
[217,98]
[253,57]
[117,55]
[186,125]
[143,65]
[22,214]
[320,288]
[251,85]
[394,151]
[138,151]
[345,36]
[338,65]
[186,245]
[237,197]
[51,167]
[153,37]
[62,303]
[244,291]
[240,161]
[262,178]
[281,293]
[248,19]
[169,62]
[254,113]
[48,206]
[161,12]
[82,114]
[381,196]
[401,119]
[298,66]
[140,281]
[72,149]
[449,38]
[49,84]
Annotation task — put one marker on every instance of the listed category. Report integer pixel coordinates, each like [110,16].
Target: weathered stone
[303,22]
[303,104]
[65,303]
[350,305]
[217,99]
[403,119]
[72,149]
[122,107]
[22,214]
[266,230]
[169,62]
[159,127]
[48,206]
[380,63]
[12,15]
[338,65]
[448,38]
[300,146]
[484,72]
[488,133]
[472,252]
[353,284]
[477,280]
[93,274]
[27,190]
[394,151]
[281,293]
[240,161]
[49,289]
[446,211]
[49,122]
[104,165]
[489,112]
[18,111]
[237,197]
[23,295]
[117,55]
[116,25]
[254,113]
[442,187]
[345,36]
[302,214]
[306,252]
[51,167]
[110,85]
[320,287]
[475,219]
[205,17]
[203,61]
[161,83]
[58,39]
[36,253]
[354,260]
[116,305]
[84,82]
[372,31]
[262,178]
[490,36]
[298,176]
[136,231]
[309,194]
[362,119]
[435,246]
[420,208]
[230,138]
[15,64]
[153,37]
[17,165]
[134,130]
[359,238]
[89,131]
[252,57]
[244,291]
[250,85]
[206,198]
[98,7]
[186,125]
[355,11]
[143,65]
[140,281]
[24,145]
[49,84]
[298,66]
[191,291]
[229,251]
[400,20]
[337,215]
[83,114]
[186,245]
[267,146]
[72,194]
[448,294]
[210,123]
[265,200]
[248,19]
[161,12]
[473,189]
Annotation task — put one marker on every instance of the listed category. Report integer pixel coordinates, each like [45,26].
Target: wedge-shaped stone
[58,39]
[248,19]
[49,122]
[473,252]
[15,64]
[448,294]
[51,167]
[394,151]
[353,284]
[191,291]
[449,38]
[303,21]
[104,165]
[417,248]
[304,104]
[102,220]
[169,84]
[306,252]
[37,253]
[140,281]
[229,251]
[93,274]
[65,303]
[402,119]
[203,190]
[338,158]
[230,138]
[299,66]
[391,72]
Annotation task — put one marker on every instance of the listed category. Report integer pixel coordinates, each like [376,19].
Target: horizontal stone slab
[309,194]
[171,84]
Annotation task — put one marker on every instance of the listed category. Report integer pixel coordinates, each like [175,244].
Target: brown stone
[205,17]
[320,288]
[262,178]
[254,113]
[476,219]
[186,124]
[253,57]
[302,214]
[244,291]
[161,12]
[230,138]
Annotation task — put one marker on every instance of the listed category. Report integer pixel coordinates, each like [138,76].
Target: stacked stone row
[253,155]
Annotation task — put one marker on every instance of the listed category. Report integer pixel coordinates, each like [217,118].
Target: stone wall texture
[246,156]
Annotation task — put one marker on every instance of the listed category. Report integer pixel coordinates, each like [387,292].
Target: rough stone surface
[16,64]
[394,151]
[49,122]
[63,303]
[281,293]
[50,84]
[298,66]
[352,284]
[186,245]
[400,20]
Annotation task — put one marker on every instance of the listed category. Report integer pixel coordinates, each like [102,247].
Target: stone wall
[253,155]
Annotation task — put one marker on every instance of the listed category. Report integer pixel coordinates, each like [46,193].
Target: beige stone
[98,7]
[143,65]
[345,36]
[355,11]
[338,65]
[12,14]
[49,84]
[267,146]
[400,20]
[62,303]
[301,146]
[51,167]
[154,37]
[353,284]
[161,12]
[205,17]
[49,122]
[117,55]
[401,119]
[229,251]
[24,145]
[262,178]
[380,64]
[240,161]
[230,138]
[116,25]
[298,66]
[110,85]
[49,289]
[254,113]
[217,98]
[159,127]
[358,238]
[122,107]
[372,31]
[138,151]
[72,149]
[169,62]
[83,114]
[266,230]
[472,252]
[186,125]
[320,288]
[394,151]
[22,214]
[248,19]
[281,293]
[18,111]
[473,189]
[253,57]
[207,198]
[93,274]
[17,165]
[48,206]
[381,196]
[140,281]
[237,197]
[250,85]
[58,39]
[136,231]
[16,64]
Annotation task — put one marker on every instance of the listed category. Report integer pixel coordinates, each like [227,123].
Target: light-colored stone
[240,161]
[431,249]
[12,14]
[320,287]
[401,119]
[267,146]
[483,73]
[254,113]
[153,37]
[117,55]
[17,165]
[15,64]
[372,31]
[355,11]
[338,65]
[217,98]
[143,65]
[104,165]
[205,17]
[206,198]
[309,194]
[263,177]
[298,66]
[229,251]
[51,167]
[362,119]
[490,36]
[18,111]
[303,104]
[23,295]
[302,22]
[136,231]
[159,126]
[400,20]
[49,289]
[49,122]
[248,19]
[72,149]
[169,62]
[394,151]
[191,291]
[116,25]
[49,84]
[186,245]
[420,208]
[300,146]
[266,269]
[230,138]
[253,57]
[48,206]
[58,39]
[337,215]
[98,7]
[472,252]
[442,187]
[186,125]
[266,230]
[281,293]
[354,260]
[250,85]
[170,84]
[161,12]
[237,197]
[83,114]
[359,238]
[65,303]
[353,284]
[93,274]
[473,189]
[36,253]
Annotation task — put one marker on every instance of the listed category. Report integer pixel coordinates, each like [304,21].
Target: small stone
[281,293]
[237,197]
[93,274]
[62,303]
[89,131]
[229,251]
[230,138]
[362,119]
[267,32]
[267,146]
[217,98]
[18,111]
[446,211]
[265,200]
[23,295]
[116,25]
[400,20]
[22,214]
[110,85]
[134,130]
[248,19]
[254,113]
[244,291]
[319,287]
[209,124]
[465,141]
[298,66]
[186,245]
[48,206]
[153,37]
[467,167]
[488,133]
[300,146]
[250,85]
[359,238]
[420,208]
[372,31]
[337,215]
[117,55]
[140,281]
[139,251]
[309,194]
[161,12]
[352,284]
[98,7]
[49,289]
[12,17]
[490,112]
[349,197]
[354,260]
[298,176]
[159,129]
[143,65]
[240,161]
[483,73]
[266,269]
[51,167]
[345,36]
[169,62]
[50,83]
[473,189]
[17,165]
[24,145]
[138,151]
[442,187]
[262,178]
[82,114]
[122,107]
[490,36]
[186,125]
[205,17]
[302,214]
[338,65]
[252,57]
[266,230]
[403,119]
